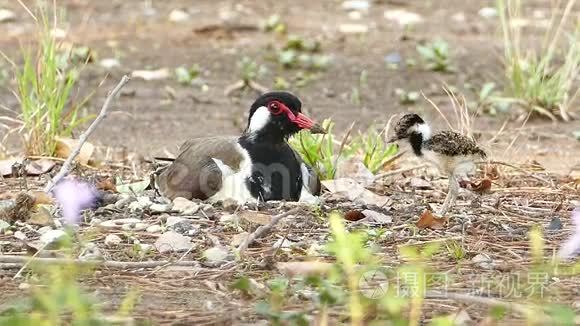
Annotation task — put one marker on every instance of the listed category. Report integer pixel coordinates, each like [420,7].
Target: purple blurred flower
[74,196]
[572,246]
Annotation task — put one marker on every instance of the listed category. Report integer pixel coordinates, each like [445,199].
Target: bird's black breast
[276,173]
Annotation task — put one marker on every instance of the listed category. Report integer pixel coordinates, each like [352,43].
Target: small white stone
[20,235]
[119,222]
[353,28]
[140,226]
[178,16]
[112,240]
[153,229]
[4,225]
[172,220]
[361,5]
[160,208]
[185,206]
[109,63]
[6,15]
[51,237]
[24,286]
[44,229]
[487,12]
[403,17]
[173,241]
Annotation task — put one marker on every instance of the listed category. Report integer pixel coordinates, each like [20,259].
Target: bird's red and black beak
[304,122]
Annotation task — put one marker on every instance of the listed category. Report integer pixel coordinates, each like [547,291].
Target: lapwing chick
[258,165]
[452,153]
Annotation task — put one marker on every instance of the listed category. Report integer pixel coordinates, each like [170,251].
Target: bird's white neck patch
[259,119]
[424,130]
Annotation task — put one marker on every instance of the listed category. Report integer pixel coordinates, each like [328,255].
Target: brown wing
[452,143]
[194,173]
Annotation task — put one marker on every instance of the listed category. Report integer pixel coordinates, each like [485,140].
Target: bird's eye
[274,108]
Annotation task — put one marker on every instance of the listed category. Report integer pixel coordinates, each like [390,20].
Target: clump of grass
[374,150]
[318,150]
[323,152]
[436,55]
[536,79]
[44,85]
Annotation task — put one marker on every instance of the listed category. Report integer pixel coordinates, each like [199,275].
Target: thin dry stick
[25,260]
[260,231]
[395,172]
[65,169]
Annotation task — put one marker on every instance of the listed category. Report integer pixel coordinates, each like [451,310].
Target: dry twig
[260,231]
[11,261]
[65,169]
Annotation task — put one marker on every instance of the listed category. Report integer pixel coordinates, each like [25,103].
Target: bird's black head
[275,116]
[408,124]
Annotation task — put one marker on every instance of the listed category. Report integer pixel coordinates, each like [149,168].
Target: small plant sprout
[541,81]
[318,150]
[187,76]
[455,250]
[249,71]
[374,150]
[407,98]
[436,55]
[274,24]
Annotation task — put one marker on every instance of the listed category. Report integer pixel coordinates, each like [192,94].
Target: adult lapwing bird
[258,165]
[452,153]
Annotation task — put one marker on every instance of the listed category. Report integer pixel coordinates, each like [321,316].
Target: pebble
[229,218]
[44,229]
[487,12]
[376,217]
[20,235]
[403,17]
[353,28]
[154,229]
[135,227]
[124,201]
[184,227]
[109,63]
[172,220]
[4,225]
[483,261]
[119,222]
[393,58]
[217,256]
[178,16]
[7,15]
[112,240]
[160,208]
[361,5]
[239,238]
[185,206]
[24,286]
[173,241]
[52,237]
[283,244]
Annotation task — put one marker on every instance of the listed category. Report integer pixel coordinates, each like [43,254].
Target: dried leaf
[158,74]
[256,217]
[304,268]
[356,170]
[106,184]
[65,146]
[483,186]
[374,217]
[41,198]
[33,168]
[353,215]
[491,172]
[428,220]
[133,188]
[355,192]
